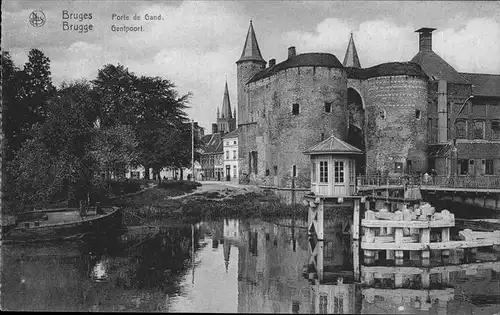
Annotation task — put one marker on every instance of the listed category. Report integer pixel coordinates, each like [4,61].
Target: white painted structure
[333,168]
[230,157]
[139,172]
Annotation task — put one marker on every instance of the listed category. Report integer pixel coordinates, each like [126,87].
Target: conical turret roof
[351,58]
[226,104]
[251,49]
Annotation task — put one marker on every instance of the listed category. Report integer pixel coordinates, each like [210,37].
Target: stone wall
[280,136]
[395,131]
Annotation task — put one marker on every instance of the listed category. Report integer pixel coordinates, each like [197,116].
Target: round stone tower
[250,63]
[396,118]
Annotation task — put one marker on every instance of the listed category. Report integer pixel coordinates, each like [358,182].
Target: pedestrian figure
[433,174]
[426,178]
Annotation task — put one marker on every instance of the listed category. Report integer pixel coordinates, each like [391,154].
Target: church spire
[218,112]
[251,49]
[226,104]
[351,58]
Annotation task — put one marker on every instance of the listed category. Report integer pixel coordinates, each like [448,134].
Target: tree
[26,93]
[118,98]
[152,106]
[114,148]
[67,135]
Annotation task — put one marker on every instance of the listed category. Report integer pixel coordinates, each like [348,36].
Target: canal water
[235,266]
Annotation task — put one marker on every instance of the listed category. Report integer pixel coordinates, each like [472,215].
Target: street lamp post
[192,147]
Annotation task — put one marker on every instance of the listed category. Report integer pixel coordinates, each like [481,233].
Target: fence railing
[479,182]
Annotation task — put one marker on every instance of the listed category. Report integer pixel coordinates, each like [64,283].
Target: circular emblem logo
[37,18]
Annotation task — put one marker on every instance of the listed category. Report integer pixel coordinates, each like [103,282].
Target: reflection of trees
[59,277]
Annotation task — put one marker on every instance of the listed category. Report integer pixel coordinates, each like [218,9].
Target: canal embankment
[158,205]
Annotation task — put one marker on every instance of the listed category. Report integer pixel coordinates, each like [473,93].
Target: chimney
[214,128]
[272,62]
[425,38]
[291,52]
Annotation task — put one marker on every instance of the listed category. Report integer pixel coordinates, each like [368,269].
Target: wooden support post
[320,222]
[445,237]
[425,237]
[368,279]
[355,260]
[426,280]
[445,277]
[398,237]
[398,280]
[319,261]
[355,220]
[369,237]
[310,217]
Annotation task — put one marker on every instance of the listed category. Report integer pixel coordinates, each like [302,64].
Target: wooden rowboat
[62,223]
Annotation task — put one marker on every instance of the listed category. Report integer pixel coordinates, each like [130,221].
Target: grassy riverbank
[156,205]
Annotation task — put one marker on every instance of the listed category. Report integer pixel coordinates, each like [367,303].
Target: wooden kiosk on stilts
[333,185]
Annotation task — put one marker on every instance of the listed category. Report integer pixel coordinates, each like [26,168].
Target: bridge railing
[478,182]
[471,182]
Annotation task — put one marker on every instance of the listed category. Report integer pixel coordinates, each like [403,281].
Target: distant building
[212,151]
[212,165]
[230,148]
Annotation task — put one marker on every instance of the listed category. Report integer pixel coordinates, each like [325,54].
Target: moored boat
[63,223]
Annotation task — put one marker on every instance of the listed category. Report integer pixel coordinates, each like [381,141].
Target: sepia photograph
[302,157]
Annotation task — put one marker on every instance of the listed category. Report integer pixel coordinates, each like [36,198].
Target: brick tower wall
[401,135]
[246,131]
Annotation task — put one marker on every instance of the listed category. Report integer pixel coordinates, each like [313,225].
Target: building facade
[230,145]
[213,160]
[404,116]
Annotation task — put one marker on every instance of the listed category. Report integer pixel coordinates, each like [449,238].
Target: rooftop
[436,68]
[302,60]
[232,134]
[332,145]
[386,69]
[483,84]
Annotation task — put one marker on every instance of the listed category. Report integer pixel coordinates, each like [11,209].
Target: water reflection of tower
[227,249]
[231,234]
[217,229]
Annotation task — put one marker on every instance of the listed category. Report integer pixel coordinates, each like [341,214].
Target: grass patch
[155,206]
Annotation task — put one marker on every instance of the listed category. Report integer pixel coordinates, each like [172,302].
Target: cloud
[195,45]
[473,48]
[376,41]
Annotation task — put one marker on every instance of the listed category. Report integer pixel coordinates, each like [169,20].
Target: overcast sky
[197,44]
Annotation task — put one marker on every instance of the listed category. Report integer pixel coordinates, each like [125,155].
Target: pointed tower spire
[251,49]
[351,58]
[218,112]
[226,104]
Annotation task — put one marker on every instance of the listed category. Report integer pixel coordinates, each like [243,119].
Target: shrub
[182,185]
[121,187]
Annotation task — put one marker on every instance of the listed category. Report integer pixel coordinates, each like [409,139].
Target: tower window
[383,114]
[495,129]
[417,114]
[328,107]
[294,171]
[295,109]
[322,136]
